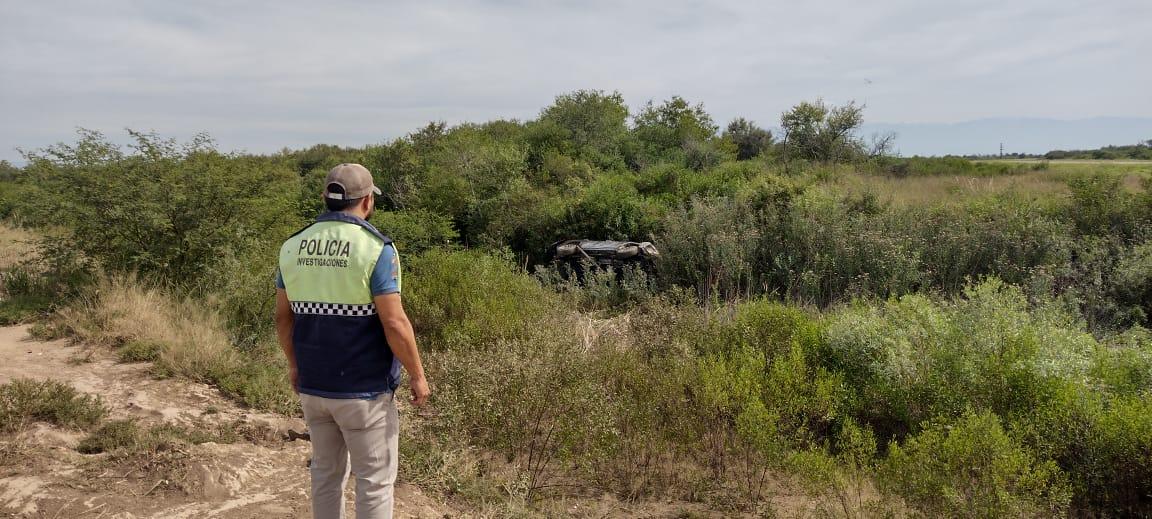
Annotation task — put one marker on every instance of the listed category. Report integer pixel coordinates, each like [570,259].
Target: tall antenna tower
[1001,150]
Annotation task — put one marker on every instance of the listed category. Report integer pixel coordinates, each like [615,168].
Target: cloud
[261,75]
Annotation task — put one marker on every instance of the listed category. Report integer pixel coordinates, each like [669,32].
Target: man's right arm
[284,321]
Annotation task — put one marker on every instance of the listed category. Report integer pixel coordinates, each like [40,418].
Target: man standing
[342,326]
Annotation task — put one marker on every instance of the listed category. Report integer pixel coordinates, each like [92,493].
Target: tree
[673,125]
[814,131]
[591,123]
[750,140]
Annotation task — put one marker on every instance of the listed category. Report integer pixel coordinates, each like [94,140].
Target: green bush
[192,199]
[471,300]
[54,272]
[710,245]
[973,468]
[532,400]
[140,350]
[597,289]
[937,166]
[23,401]
[1124,363]
[1103,443]
[913,360]
[416,230]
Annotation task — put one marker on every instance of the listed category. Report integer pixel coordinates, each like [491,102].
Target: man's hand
[420,391]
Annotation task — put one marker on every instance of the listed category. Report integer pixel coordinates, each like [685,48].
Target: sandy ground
[262,476]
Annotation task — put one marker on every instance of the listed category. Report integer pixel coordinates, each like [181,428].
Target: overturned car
[578,255]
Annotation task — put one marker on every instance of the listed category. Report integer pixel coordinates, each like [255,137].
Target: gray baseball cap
[349,182]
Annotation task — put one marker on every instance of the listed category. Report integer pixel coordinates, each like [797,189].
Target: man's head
[349,188]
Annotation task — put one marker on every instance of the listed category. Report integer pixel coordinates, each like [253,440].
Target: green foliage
[1139,151]
[54,273]
[750,140]
[973,468]
[600,289]
[709,245]
[416,230]
[468,165]
[590,124]
[23,401]
[140,350]
[610,208]
[815,131]
[912,360]
[671,129]
[163,208]
[531,400]
[1124,363]
[471,300]
[1098,204]
[902,167]
[1103,442]
[1131,282]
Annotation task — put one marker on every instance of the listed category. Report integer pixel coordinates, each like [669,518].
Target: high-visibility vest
[339,342]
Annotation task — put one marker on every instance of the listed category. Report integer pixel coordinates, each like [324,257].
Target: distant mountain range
[1019,135]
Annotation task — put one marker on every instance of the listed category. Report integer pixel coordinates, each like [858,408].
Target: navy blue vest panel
[343,356]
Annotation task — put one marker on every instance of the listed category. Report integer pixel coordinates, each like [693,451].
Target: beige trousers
[365,431]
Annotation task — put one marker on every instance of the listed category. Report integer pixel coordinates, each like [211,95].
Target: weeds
[24,401]
[128,437]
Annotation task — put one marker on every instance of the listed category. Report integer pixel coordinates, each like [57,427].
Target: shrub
[24,400]
[140,350]
[471,300]
[192,198]
[938,166]
[709,245]
[49,271]
[913,360]
[973,468]
[531,400]
[415,231]
[600,289]
[1124,363]
[1104,444]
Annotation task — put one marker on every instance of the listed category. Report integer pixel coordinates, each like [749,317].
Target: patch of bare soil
[263,475]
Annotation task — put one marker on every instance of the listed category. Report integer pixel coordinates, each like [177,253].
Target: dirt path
[264,475]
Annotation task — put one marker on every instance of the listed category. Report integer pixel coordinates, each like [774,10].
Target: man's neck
[357,213]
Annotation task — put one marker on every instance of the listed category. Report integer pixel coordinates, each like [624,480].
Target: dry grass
[182,336]
[123,311]
[17,245]
[1048,183]
[946,189]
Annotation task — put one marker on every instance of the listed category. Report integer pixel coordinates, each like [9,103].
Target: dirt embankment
[264,474]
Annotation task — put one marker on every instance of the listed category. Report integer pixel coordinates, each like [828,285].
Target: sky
[259,75]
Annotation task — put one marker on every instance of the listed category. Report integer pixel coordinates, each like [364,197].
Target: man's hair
[340,205]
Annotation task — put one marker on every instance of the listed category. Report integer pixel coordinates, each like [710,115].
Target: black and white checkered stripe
[334,309]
